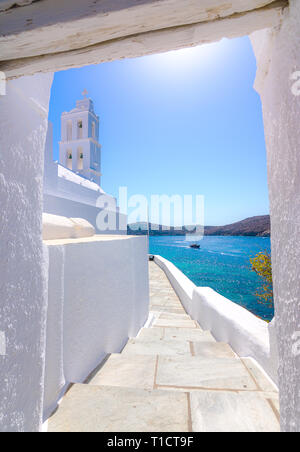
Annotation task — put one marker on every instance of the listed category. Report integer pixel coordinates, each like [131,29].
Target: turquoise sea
[222,263]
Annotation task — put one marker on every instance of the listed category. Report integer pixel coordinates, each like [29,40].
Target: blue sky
[185,122]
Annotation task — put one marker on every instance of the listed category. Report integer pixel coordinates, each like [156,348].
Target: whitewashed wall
[245,333]
[23,301]
[98,298]
[278,55]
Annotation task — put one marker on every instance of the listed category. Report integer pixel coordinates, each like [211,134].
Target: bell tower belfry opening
[79,148]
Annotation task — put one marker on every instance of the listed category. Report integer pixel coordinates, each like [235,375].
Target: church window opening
[69,160]
[79,129]
[79,159]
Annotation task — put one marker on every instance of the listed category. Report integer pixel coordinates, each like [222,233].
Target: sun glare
[188,56]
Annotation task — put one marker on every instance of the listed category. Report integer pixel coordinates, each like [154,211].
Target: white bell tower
[79,148]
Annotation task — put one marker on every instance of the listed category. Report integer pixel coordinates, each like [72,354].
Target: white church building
[72,185]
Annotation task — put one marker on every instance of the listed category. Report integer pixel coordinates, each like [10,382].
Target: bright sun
[184,59]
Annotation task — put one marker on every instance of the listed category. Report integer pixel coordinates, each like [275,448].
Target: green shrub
[261,264]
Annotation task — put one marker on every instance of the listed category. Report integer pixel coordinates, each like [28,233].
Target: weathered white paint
[228,322]
[98,298]
[52,26]
[278,54]
[22,266]
[156,32]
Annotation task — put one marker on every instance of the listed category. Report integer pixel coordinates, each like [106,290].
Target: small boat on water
[195,246]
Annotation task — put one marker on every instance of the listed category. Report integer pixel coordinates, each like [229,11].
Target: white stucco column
[278,55]
[23,301]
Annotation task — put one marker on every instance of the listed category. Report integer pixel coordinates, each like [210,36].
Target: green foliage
[261,264]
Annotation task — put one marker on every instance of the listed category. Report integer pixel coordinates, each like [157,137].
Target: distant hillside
[254,226]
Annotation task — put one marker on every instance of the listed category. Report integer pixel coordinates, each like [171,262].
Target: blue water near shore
[222,263]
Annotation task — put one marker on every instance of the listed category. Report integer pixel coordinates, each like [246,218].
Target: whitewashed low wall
[58,205]
[228,322]
[98,298]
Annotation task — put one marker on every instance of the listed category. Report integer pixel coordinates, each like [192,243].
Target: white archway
[149,27]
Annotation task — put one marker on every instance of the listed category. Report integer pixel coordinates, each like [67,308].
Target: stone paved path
[173,377]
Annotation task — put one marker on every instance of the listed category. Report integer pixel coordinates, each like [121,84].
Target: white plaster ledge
[56,227]
[82,228]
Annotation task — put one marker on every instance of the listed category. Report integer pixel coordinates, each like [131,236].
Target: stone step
[263,382]
[229,412]
[188,334]
[150,333]
[196,373]
[162,309]
[174,316]
[156,346]
[165,303]
[175,323]
[170,315]
[127,371]
[109,409]
[164,292]
[184,373]
[89,408]
[212,350]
